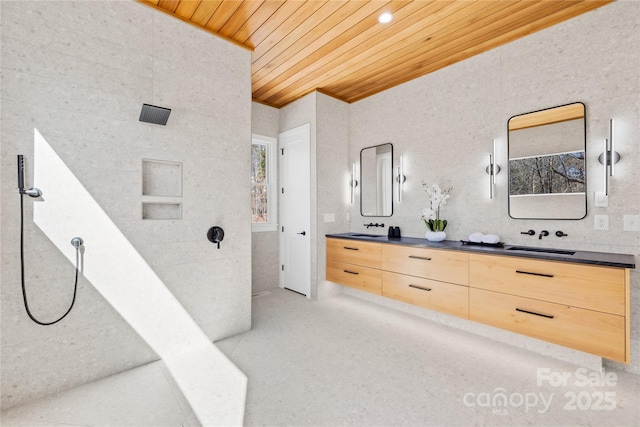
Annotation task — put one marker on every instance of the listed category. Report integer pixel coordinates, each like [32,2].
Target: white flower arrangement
[437,198]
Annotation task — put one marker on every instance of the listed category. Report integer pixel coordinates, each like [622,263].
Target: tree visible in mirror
[547,167]
[561,173]
[437,199]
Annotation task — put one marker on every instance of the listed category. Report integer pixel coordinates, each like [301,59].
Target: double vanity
[575,299]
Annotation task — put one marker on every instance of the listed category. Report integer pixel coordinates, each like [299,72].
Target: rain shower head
[154,114]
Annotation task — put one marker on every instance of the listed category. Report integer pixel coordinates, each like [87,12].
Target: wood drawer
[355,276]
[356,252]
[592,287]
[593,332]
[436,264]
[439,296]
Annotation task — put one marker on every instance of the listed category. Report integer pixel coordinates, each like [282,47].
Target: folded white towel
[476,237]
[490,238]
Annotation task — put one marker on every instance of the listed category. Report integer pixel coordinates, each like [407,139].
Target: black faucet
[373,225]
[543,233]
[560,233]
[530,232]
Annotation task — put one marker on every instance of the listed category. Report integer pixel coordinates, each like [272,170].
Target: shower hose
[24,291]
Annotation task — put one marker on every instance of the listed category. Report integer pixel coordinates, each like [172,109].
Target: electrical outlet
[600,200]
[631,223]
[601,222]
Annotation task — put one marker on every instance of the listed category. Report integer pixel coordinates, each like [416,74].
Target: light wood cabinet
[355,276]
[413,275]
[368,254]
[590,331]
[356,264]
[585,307]
[431,294]
[436,264]
[578,285]
[581,306]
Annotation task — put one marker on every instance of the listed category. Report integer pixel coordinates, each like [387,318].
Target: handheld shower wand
[32,192]
[21,173]
[76,242]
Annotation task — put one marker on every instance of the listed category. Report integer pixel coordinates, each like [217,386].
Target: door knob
[304,233]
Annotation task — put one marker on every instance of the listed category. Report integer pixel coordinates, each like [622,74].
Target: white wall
[329,152]
[79,73]
[444,123]
[332,163]
[264,244]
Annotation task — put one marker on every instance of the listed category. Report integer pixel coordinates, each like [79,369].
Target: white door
[295,210]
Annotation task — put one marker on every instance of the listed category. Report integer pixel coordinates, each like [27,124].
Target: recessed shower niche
[161,189]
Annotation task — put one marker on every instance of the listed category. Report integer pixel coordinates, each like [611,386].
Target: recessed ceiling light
[385,17]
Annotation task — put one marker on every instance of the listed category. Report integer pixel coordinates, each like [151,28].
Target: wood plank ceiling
[339,48]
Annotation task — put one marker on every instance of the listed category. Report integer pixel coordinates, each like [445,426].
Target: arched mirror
[376,180]
[547,168]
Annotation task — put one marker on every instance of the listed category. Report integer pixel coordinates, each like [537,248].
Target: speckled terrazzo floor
[144,396]
[344,361]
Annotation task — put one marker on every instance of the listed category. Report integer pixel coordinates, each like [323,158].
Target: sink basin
[364,235]
[542,250]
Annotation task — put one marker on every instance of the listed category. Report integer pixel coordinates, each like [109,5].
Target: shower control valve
[215,235]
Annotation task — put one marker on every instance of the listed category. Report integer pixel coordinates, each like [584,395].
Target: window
[264,198]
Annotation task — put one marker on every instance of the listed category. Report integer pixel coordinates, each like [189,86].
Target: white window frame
[272,186]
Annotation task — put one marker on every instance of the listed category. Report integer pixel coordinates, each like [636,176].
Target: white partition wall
[79,72]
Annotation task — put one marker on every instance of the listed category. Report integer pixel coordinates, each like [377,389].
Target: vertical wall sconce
[354,182]
[608,158]
[400,178]
[493,169]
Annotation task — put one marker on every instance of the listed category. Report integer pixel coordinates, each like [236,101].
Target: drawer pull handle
[420,287]
[350,272]
[420,257]
[548,316]
[534,274]
[351,249]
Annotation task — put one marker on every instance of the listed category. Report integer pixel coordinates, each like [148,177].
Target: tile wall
[333,166]
[443,124]
[328,168]
[264,244]
[79,72]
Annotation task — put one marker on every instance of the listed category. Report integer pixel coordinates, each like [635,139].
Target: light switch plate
[601,222]
[600,200]
[631,223]
[329,217]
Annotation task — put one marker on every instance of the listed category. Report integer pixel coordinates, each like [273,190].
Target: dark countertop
[563,255]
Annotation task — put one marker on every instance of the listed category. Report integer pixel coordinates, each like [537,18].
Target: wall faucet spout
[373,225]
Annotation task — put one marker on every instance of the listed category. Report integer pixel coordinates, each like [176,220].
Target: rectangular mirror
[376,180]
[547,168]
